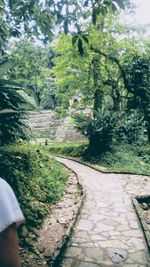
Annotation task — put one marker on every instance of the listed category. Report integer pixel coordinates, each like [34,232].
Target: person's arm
[9,249]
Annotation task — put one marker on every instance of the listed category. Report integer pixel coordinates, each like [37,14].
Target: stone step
[47,123]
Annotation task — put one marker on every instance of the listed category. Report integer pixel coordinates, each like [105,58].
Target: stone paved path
[108,232]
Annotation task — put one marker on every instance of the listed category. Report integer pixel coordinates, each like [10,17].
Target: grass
[125,158]
[71,149]
[37,180]
[120,158]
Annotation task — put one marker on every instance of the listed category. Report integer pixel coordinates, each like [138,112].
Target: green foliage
[112,74]
[29,63]
[48,97]
[37,180]
[130,127]
[139,88]
[75,14]
[32,69]
[104,128]
[96,71]
[120,158]
[125,158]
[71,70]
[14,17]
[79,39]
[12,114]
[103,7]
[34,17]
[70,149]
[98,128]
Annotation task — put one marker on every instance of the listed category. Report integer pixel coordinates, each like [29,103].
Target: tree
[138,75]
[49,100]
[74,14]
[95,74]
[105,72]
[32,65]
[35,18]
[29,60]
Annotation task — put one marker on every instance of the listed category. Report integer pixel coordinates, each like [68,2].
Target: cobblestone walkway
[108,232]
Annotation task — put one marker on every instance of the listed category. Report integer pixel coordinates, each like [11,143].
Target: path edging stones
[99,168]
[140,215]
[56,260]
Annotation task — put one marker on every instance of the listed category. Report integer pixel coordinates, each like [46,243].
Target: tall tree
[35,18]
[29,61]
[18,17]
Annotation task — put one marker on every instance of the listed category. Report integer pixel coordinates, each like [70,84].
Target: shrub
[36,179]
[99,128]
[129,127]
[71,150]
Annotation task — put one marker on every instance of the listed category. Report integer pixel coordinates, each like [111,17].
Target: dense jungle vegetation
[52,52]
[37,180]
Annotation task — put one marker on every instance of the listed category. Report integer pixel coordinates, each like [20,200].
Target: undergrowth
[37,180]
[120,157]
[125,158]
[68,149]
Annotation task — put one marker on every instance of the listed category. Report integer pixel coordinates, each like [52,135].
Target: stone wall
[47,124]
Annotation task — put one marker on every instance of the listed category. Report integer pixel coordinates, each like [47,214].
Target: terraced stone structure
[108,232]
[47,124]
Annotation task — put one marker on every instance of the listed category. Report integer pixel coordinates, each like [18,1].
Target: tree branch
[113,59]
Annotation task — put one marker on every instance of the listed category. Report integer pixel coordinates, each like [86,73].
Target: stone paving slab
[108,232]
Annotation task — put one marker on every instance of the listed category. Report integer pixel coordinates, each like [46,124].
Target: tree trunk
[98,97]
[98,94]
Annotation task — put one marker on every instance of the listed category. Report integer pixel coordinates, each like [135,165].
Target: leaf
[74,39]
[107,2]
[15,32]
[104,11]
[1,4]
[94,16]
[85,39]
[66,29]
[80,47]
[5,66]
[86,3]
[59,15]
[115,7]
[9,85]
[120,3]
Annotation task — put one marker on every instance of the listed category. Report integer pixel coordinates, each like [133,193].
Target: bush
[69,149]
[129,127]
[99,128]
[36,179]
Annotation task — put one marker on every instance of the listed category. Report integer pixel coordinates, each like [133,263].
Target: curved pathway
[108,232]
